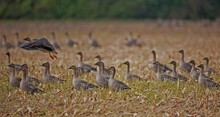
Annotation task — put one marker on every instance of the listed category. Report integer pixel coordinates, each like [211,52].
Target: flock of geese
[105,77]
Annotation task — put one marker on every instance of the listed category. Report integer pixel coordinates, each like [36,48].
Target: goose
[27,86]
[153,66]
[208,70]
[70,42]
[14,81]
[204,81]
[6,44]
[161,76]
[106,72]
[17,38]
[47,77]
[30,79]
[84,67]
[183,65]
[194,73]
[133,41]
[93,42]
[17,66]
[54,43]
[175,74]
[41,44]
[101,80]
[130,76]
[80,84]
[114,84]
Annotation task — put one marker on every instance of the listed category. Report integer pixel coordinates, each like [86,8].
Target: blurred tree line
[109,9]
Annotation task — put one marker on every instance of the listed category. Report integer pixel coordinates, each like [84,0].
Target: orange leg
[54,56]
[51,56]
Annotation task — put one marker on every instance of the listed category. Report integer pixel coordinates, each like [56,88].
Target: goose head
[201,66]
[98,57]
[192,62]
[126,63]
[181,51]
[47,64]
[173,62]
[72,67]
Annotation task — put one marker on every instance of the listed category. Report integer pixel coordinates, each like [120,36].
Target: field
[147,98]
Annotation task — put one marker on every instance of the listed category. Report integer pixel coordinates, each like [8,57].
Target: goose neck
[128,68]
[182,57]
[9,59]
[25,74]
[174,68]
[112,75]
[154,56]
[47,70]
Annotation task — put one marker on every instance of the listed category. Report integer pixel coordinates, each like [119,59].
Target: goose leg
[51,56]
[54,56]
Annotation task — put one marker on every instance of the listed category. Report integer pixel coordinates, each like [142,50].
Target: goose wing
[87,85]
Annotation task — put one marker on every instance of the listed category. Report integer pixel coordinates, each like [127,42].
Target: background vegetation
[109,9]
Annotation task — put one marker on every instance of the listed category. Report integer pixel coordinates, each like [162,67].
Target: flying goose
[93,42]
[80,84]
[114,84]
[204,81]
[154,66]
[70,42]
[208,70]
[128,75]
[183,65]
[101,80]
[6,44]
[27,86]
[47,77]
[86,68]
[14,81]
[54,43]
[175,74]
[41,44]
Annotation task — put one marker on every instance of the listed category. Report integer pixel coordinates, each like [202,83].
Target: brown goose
[41,44]
[93,42]
[48,78]
[154,66]
[131,41]
[194,73]
[130,76]
[208,70]
[161,76]
[106,72]
[70,42]
[86,68]
[27,86]
[183,65]
[204,81]
[101,80]
[54,43]
[80,84]
[14,81]
[17,66]
[6,44]
[30,79]
[114,84]
[17,38]
[175,74]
